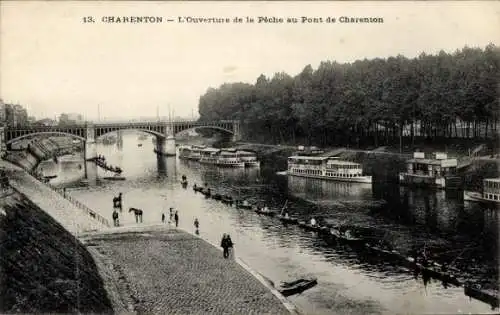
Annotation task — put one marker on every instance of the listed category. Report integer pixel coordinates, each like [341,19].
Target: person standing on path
[162,217]
[196,226]
[115,217]
[171,215]
[176,218]
[226,243]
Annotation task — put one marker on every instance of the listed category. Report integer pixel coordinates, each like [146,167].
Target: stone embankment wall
[43,267]
[29,153]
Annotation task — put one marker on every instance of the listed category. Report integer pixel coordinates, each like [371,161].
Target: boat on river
[297,286]
[265,211]
[346,237]
[315,228]
[197,188]
[221,157]
[217,196]
[490,193]
[436,171]
[243,204]
[483,295]
[432,270]
[227,199]
[324,167]
[115,177]
[50,177]
[249,158]
[288,220]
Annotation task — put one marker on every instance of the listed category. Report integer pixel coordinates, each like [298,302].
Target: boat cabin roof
[228,153]
[312,158]
[428,161]
[492,180]
[339,162]
[210,150]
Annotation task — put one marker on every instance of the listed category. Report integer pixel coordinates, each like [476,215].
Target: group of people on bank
[4,180]
[226,242]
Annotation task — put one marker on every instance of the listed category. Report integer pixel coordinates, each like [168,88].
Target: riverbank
[44,268]
[71,217]
[219,279]
[163,270]
[480,166]
[28,154]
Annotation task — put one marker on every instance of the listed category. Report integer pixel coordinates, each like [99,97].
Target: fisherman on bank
[196,226]
[176,218]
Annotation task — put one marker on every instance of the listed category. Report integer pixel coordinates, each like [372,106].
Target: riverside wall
[43,267]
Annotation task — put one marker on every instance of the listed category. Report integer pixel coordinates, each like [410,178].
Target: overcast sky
[51,62]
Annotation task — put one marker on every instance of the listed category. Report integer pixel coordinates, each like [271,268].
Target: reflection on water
[349,281]
[317,189]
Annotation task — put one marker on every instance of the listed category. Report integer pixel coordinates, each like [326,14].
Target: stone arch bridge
[89,132]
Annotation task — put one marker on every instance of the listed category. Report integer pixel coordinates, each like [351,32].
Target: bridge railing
[94,215]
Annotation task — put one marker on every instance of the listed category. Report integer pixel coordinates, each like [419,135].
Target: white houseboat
[324,167]
[224,158]
[196,151]
[184,151]
[490,192]
[437,171]
[250,158]
[230,158]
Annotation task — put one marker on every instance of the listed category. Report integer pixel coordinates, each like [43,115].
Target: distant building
[13,115]
[70,119]
[46,122]
[3,119]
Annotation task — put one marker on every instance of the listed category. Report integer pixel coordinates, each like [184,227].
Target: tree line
[377,101]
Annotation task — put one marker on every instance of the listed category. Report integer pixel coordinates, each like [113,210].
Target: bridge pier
[165,146]
[89,149]
[3,147]
[236,133]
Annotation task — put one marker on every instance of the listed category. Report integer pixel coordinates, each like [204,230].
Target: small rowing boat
[288,220]
[346,237]
[310,227]
[432,270]
[297,286]
[197,188]
[243,204]
[217,196]
[227,199]
[475,292]
[265,211]
[114,178]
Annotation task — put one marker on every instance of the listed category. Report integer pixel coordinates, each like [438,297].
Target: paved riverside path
[63,211]
[163,270]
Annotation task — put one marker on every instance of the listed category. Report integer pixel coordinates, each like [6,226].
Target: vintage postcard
[246,157]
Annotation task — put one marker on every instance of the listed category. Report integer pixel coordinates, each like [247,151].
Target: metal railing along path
[94,215]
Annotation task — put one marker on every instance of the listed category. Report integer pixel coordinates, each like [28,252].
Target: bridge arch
[49,133]
[151,132]
[205,127]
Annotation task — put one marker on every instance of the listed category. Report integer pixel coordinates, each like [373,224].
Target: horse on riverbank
[137,213]
[117,201]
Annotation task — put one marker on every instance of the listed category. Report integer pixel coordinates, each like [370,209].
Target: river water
[348,282]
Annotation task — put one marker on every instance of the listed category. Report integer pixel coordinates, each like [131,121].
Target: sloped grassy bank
[43,268]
